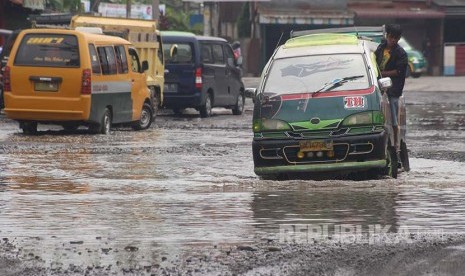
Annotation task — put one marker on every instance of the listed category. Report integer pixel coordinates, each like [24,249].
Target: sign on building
[34,4]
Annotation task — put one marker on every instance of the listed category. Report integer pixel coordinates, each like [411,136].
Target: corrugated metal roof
[450,3]
[397,13]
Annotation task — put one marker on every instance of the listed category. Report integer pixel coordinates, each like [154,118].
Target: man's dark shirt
[398,61]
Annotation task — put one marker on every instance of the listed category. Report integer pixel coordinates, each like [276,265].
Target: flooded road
[188,183]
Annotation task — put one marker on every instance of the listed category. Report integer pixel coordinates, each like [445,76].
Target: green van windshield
[306,74]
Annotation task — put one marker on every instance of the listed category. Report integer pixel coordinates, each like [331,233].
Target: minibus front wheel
[146,118]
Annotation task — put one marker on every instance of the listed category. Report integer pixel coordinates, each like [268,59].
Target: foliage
[73,6]
[176,17]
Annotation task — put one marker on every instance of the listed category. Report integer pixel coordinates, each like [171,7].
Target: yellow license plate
[316,145]
[46,86]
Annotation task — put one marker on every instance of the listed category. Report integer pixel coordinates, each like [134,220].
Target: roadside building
[421,21]
[454,36]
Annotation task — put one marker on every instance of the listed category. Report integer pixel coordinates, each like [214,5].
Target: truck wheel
[178,111]
[239,107]
[206,109]
[155,101]
[146,118]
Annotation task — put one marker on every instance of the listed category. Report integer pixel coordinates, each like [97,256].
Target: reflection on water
[363,208]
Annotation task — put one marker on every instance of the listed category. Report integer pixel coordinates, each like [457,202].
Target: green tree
[73,6]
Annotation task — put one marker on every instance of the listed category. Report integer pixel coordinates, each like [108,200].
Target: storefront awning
[314,17]
[405,13]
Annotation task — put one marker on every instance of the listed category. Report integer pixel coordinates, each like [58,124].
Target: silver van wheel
[206,109]
[239,107]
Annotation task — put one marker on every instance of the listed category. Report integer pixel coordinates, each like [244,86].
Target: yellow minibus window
[94,61]
[48,50]
[107,60]
[121,59]
[135,65]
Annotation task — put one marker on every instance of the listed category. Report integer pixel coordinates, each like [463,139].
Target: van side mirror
[145,66]
[385,83]
[250,92]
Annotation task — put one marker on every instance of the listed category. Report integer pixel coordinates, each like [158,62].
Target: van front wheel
[146,118]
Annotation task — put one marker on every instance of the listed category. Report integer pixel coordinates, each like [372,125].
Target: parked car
[201,72]
[320,108]
[73,78]
[417,64]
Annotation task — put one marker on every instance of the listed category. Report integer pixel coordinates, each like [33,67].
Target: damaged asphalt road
[182,198]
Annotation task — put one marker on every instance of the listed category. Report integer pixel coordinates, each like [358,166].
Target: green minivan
[321,108]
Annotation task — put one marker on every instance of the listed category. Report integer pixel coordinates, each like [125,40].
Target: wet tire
[71,127]
[391,162]
[206,109]
[269,177]
[105,124]
[146,118]
[155,102]
[178,111]
[238,109]
[29,128]
[404,160]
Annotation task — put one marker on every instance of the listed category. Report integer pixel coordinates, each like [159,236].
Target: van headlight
[414,60]
[270,124]
[364,118]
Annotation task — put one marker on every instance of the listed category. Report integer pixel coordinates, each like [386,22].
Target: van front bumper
[350,153]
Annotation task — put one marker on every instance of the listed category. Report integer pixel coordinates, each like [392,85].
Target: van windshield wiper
[336,83]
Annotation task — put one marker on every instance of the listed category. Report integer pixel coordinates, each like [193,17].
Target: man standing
[393,61]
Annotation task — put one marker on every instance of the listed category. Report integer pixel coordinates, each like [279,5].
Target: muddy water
[189,182]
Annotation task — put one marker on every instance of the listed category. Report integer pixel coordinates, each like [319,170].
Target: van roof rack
[353,29]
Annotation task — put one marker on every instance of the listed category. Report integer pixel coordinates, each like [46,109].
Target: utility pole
[156,10]
[128,8]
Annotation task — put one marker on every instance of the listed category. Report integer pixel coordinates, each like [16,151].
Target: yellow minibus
[73,78]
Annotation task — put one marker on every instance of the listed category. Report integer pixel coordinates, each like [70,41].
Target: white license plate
[46,86]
